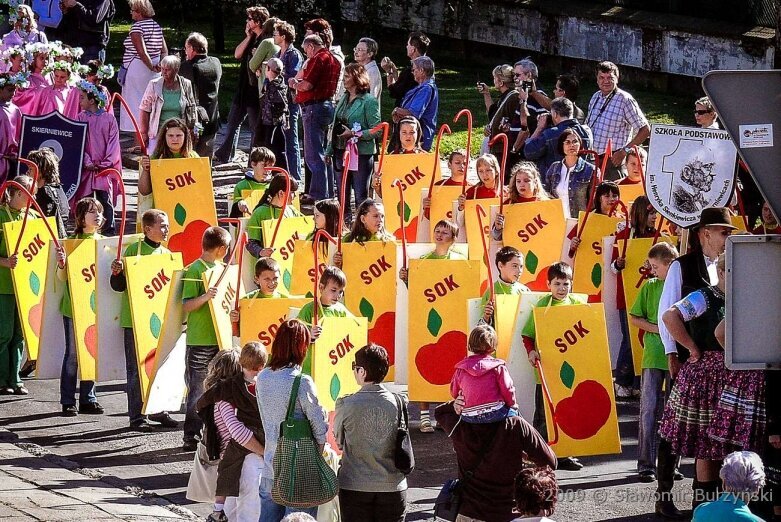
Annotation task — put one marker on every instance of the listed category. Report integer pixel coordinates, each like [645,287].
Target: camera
[526,85]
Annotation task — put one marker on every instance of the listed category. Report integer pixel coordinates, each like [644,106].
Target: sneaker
[569,464]
[647,475]
[635,393]
[6,390]
[91,408]
[164,419]
[217,516]
[21,390]
[191,445]
[623,392]
[142,425]
[426,427]
[677,475]
[69,410]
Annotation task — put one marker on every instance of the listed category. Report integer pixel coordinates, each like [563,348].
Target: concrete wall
[653,42]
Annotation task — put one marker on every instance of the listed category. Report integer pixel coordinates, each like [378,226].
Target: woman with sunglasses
[704,114]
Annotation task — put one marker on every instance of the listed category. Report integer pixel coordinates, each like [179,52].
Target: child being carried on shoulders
[484,381]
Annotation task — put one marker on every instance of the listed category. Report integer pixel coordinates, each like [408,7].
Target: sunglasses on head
[701,113]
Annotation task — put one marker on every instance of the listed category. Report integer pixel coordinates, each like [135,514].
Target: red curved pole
[500,185]
[606,158]
[342,195]
[116,96]
[658,231]
[30,200]
[118,176]
[397,183]
[229,263]
[480,214]
[444,129]
[385,131]
[33,168]
[284,205]
[468,114]
[240,243]
[642,169]
[316,240]
[621,204]
[546,393]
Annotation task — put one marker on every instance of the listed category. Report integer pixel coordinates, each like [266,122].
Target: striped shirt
[228,426]
[616,116]
[151,33]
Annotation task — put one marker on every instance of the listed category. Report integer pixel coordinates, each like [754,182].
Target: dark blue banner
[65,136]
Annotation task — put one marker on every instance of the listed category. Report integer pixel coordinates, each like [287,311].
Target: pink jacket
[483,380]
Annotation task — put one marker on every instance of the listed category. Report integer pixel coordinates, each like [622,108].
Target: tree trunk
[219,27]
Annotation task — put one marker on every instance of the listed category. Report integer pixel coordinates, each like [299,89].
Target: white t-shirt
[562,189]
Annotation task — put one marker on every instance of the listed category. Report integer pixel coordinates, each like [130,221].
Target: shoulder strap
[291,405]
[401,410]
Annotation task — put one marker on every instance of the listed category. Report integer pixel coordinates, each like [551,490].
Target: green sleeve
[241,185]
[254,230]
[193,285]
[372,116]
[305,314]
[529,329]
[484,301]
[638,308]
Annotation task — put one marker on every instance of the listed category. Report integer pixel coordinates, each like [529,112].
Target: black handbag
[404,458]
[448,502]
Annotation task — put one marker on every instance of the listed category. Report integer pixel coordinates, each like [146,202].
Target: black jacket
[205,73]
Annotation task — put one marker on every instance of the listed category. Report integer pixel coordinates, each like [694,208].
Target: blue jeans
[292,147]
[318,118]
[236,117]
[359,180]
[493,416]
[70,367]
[134,401]
[651,407]
[625,368]
[196,365]
[270,511]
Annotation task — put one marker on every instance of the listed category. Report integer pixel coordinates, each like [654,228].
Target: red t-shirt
[480,191]
[322,71]
[449,182]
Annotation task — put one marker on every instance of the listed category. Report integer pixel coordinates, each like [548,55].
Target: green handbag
[302,477]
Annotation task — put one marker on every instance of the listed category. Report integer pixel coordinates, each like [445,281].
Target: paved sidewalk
[35,487]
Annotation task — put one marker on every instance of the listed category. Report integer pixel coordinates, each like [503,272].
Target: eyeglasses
[356,367]
[701,113]
[517,75]
[360,50]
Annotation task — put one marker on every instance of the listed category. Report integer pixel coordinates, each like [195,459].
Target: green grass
[456,87]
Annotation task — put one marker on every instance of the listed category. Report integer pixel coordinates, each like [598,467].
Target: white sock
[218,506]
[424,416]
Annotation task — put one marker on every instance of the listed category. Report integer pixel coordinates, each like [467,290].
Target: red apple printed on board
[383,332]
[188,241]
[36,311]
[436,361]
[581,415]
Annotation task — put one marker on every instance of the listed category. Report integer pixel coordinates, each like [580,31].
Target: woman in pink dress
[96,72]
[27,99]
[52,98]
[25,29]
[100,152]
[10,120]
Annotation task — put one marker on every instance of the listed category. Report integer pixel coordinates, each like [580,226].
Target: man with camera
[613,114]
[525,74]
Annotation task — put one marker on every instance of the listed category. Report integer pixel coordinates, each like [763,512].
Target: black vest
[694,276]
[703,328]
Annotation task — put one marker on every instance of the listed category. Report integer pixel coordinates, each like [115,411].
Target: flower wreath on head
[105,72]
[36,48]
[13,10]
[17,80]
[94,91]
[10,52]
[58,65]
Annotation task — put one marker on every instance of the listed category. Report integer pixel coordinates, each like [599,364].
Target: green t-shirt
[335,310]
[125,317]
[502,288]
[529,329]
[451,254]
[247,184]
[65,303]
[348,237]
[256,294]
[200,328]
[171,107]
[263,213]
[7,214]
[647,307]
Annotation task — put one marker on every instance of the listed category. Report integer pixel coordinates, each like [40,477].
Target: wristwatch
[628,149]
